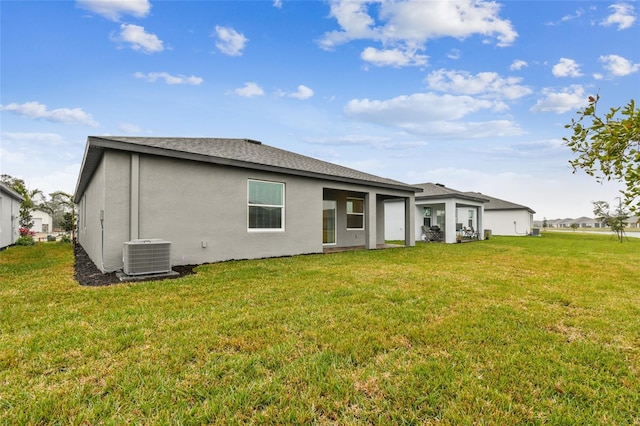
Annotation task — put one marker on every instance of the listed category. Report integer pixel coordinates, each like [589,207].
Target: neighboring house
[222,199]
[587,222]
[448,209]
[506,218]
[42,222]
[9,215]
[582,222]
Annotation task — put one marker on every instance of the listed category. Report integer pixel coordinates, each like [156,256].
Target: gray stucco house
[438,206]
[221,199]
[452,210]
[506,218]
[9,215]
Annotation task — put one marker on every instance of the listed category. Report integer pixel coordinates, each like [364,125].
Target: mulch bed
[88,274]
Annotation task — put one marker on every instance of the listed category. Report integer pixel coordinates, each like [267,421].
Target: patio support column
[370,218]
[409,222]
[450,221]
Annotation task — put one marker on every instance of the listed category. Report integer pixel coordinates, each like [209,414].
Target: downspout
[134,198]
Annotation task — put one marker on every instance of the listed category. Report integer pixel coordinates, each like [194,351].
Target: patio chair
[431,233]
[470,233]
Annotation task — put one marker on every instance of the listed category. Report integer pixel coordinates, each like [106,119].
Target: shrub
[64,239]
[25,240]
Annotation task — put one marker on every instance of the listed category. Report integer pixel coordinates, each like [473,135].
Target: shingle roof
[498,204]
[437,190]
[233,152]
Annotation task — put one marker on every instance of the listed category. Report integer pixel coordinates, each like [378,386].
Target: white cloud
[392,57]
[61,179]
[169,79]
[229,41]
[249,90]
[454,54]
[52,138]
[484,83]
[567,18]
[41,159]
[277,4]
[568,99]
[113,9]
[420,20]
[59,115]
[566,68]
[623,16]
[618,66]
[518,64]
[371,141]
[431,114]
[139,39]
[416,107]
[302,93]
[404,27]
[129,128]
[354,20]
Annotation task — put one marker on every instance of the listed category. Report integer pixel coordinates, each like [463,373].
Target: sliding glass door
[329,208]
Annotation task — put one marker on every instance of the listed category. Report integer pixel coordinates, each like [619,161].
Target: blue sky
[471,94]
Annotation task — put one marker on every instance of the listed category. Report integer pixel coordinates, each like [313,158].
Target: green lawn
[510,330]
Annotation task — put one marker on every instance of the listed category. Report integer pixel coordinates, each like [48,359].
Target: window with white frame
[355,213]
[265,205]
[470,218]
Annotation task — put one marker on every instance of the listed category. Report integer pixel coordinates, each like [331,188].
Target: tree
[608,147]
[57,206]
[28,205]
[68,224]
[545,223]
[617,219]
[574,226]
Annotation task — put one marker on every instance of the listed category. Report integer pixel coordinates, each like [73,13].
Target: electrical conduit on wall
[134,201]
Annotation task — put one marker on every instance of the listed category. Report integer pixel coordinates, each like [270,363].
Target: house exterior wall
[9,217]
[108,192]
[202,209]
[194,204]
[501,222]
[43,222]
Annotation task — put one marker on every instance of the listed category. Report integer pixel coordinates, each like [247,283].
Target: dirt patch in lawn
[87,273]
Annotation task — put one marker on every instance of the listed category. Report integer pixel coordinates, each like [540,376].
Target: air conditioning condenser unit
[150,256]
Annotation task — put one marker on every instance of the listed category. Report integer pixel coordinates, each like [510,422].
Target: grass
[510,330]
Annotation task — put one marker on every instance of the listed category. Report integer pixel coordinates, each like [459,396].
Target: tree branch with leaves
[608,147]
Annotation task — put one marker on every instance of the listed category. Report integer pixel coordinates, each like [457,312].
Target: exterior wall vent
[151,256]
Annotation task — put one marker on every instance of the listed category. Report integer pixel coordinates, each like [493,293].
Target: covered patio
[443,214]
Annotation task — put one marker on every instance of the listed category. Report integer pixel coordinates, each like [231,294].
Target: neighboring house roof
[584,219]
[494,203]
[244,153]
[432,191]
[8,190]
